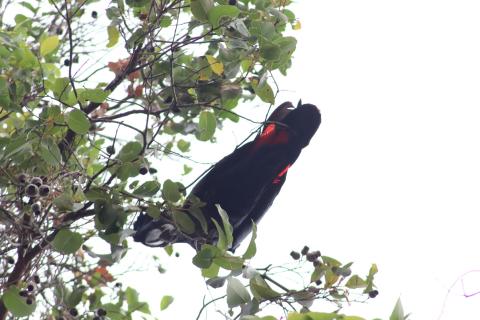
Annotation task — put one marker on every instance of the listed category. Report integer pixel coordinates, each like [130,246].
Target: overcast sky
[393,174]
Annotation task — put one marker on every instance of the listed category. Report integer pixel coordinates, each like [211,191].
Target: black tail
[154,233]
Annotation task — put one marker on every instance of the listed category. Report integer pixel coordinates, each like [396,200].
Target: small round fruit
[29,301]
[44,190]
[94,14]
[111,149]
[22,178]
[372,294]
[311,256]
[66,62]
[10,260]
[36,207]
[30,287]
[73,312]
[36,279]
[232,2]
[305,250]
[101,312]
[295,255]
[152,170]
[23,293]
[36,181]
[143,170]
[31,190]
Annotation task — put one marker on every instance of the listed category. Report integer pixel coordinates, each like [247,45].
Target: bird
[244,183]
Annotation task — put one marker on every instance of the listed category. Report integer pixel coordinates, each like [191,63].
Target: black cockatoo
[246,182]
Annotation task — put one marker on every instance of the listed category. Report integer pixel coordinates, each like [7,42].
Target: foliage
[79,135]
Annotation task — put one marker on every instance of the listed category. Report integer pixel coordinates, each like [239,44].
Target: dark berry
[59,31]
[295,255]
[118,284]
[372,294]
[10,260]
[23,293]
[36,181]
[22,178]
[101,312]
[232,2]
[305,250]
[29,301]
[66,62]
[44,190]
[36,208]
[36,279]
[30,287]
[318,282]
[152,170]
[111,149]
[311,257]
[31,190]
[94,14]
[143,170]
[177,254]
[73,312]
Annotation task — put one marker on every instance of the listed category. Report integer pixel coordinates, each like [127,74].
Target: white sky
[393,174]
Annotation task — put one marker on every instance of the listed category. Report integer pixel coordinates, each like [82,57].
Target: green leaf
[356,282]
[397,313]
[252,248]
[206,125]
[67,241]
[165,302]
[200,9]
[227,227]
[95,193]
[229,262]
[263,90]
[204,258]
[95,95]
[17,304]
[183,145]
[133,303]
[222,239]
[77,121]
[75,296]
[50,153]
[130,151]
[184,222]
[371,274]
[199,216]
[211,271]
[216,14]
[64,202]
[147,189]
[236,293]
[48,45]
[261,290]
[314,316]
[170,191]
[113,36]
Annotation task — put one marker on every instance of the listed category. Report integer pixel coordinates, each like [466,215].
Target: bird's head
[301,122]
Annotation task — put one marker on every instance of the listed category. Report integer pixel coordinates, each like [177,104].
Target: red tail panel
[271,135]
